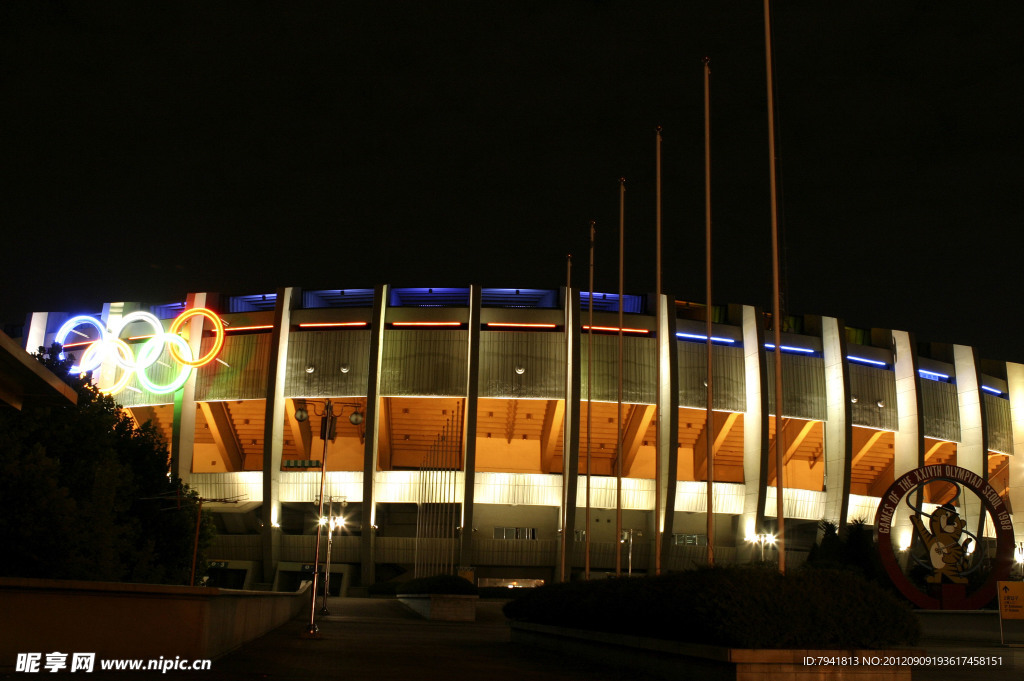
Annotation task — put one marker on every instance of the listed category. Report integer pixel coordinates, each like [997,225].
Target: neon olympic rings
[110,346]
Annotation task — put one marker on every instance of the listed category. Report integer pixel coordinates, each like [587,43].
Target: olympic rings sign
[110,345]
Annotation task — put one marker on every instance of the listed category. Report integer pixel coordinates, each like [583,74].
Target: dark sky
[152,149]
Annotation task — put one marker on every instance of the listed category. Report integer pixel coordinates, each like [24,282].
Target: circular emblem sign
[947,552]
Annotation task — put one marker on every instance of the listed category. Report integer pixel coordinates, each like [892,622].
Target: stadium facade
[466,418]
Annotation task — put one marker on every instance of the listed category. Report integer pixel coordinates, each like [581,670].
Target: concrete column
[469,429]
[368,539]
[972,451]
[755,424]
[35,335]
[668,425]
[183,430]
[909,439]
[1015,386]
[838,427]
[570,430]
[908,452]
[274,430]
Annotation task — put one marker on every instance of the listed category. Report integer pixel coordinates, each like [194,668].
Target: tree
[87,494]
[854,550]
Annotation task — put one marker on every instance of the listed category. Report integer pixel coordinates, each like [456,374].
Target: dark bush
[438,584]
[500,592]
[384,588]
[735,607]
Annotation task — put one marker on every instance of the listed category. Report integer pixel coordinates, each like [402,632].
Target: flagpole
[565,418]
[659,316]
[590,383]
[618,447]
[709,429]
[776,298]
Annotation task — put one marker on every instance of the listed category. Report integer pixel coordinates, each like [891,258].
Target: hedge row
[734,607]
[438,584]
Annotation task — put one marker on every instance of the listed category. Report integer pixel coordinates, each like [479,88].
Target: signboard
[949,557]
[166,347]
[1011,600]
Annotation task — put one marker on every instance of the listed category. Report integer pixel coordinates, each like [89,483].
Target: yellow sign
[1011,600]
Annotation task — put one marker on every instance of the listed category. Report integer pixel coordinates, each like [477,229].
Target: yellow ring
[218,342]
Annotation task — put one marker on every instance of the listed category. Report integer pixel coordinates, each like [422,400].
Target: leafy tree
[854,550]
[87,495]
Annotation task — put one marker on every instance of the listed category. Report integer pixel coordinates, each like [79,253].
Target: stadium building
[467,418]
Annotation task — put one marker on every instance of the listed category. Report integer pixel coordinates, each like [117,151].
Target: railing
[543,552]
[299,548]
[406,550]
[245,486]
[235,547]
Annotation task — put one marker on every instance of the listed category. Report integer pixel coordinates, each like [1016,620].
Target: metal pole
[618,442]
[776,297]
[312,629]
[658,367]
[330,545]
[417,556]
[195,545]
[590,411]
[709,428]
[565,477]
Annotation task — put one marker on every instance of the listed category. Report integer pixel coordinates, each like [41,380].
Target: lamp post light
[627,538]
[332,522]
[327,433]
[762,539]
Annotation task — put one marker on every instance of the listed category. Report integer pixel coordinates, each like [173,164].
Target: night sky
[152,149]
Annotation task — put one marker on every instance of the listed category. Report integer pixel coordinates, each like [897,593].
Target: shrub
[438,584]
[734,607]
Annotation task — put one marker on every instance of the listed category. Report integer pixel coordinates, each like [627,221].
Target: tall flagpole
[590,383]
[776,298]
[709,428]
[657,303]
[618,447]
[565,455]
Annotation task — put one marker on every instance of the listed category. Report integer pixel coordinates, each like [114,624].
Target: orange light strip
[78,344]
[248,328]
[426,323]
[322,324]
[523,325]
[615,329]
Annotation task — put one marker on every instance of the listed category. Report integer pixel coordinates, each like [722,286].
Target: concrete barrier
[959,625]
[119,620]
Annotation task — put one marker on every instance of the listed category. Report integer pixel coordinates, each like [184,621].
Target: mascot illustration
[942,539]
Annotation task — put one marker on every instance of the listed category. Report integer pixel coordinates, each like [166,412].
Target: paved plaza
[368,639]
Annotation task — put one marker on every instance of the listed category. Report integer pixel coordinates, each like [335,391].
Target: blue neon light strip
[932,375]
[994,391]
[789,348]
[694,336]
[865,360]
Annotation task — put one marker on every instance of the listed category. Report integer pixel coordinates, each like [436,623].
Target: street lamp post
[333,522]
[762,539]
[627,537]
[327,433]
[330,545]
